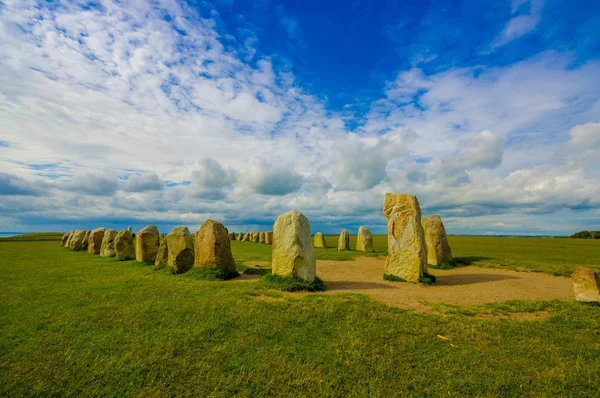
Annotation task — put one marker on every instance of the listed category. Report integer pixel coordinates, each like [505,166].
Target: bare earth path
[461,286]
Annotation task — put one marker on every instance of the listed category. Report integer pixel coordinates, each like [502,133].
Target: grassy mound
[426,279]
[293,284]
[443,266]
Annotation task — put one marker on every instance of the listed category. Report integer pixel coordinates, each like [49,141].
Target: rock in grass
[76,242]
[107,249]
[63,242]
[407,251]
[261,237]
[213,249]
[246,237]
[438,249]
[364,240]
[254,236]
[124,249]
[69,238]
[240,236]
[162,256]
[180,249]
[95,240]
[86,241]
[586,285]
[269,238]
[293,250]
[147,241]
[319,240]
[232,236]
[344,240]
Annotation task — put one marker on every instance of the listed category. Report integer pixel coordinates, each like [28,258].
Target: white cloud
[143,182]
[520,24]
[210,180]
[266,178]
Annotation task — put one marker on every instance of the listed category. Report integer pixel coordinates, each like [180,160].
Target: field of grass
[73,324]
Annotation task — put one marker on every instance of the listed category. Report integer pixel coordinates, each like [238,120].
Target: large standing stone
[293,250]
[246,237]
[107,249]
[438,249]
[232,236]
[180,249]
[63,242]
[254,236]
[240,236]
[269,238]
[586,285]
[364,240]
[86,241]
[213,249]
[69,239]
[147,241]
[407,251]
[162,256]
[319,240]
[95,241]
[344,240]
[76,242]
[124,249]
[261,237]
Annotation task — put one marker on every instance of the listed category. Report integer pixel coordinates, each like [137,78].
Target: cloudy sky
[130,112]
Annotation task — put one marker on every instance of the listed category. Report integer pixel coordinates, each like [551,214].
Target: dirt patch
[460,286]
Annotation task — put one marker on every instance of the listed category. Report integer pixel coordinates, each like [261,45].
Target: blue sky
[119,113]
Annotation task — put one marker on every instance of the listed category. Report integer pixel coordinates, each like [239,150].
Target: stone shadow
[470,279]
[353,285]
[469,260]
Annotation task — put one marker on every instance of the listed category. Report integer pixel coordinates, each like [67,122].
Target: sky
[166,112]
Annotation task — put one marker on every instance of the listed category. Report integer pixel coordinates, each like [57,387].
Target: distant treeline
[586,235]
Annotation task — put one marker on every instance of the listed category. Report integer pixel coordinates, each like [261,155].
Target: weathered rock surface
[162,255]
[586,285]
[63,242]
[344,240]
[213,249]
[269,238]
[319,240]
[364,240]
[240,236]
[438,249]
[246,237]
[95,241]
[407,251]
[107,249]
[232,236]
[180,248]
[76,242]
[293,250]
[86,241]
[261,237]
[254,237]
[147,241]
[124,249]
[69,239]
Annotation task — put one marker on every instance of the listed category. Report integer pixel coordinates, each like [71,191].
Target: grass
[73,324]
[291,284]
[443,266]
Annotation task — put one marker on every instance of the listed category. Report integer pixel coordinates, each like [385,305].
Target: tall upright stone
[213,249]
[240,236]
[69,239]
[86,241]
[95,240]
[147,241]
[319,240]
[107,249]
[364,240]
[130,230]
[438,249]
[246,237]
[269,237]
[407,250]
[162,256]
[63,241]
[261,237]
[254,237]
[586,285]
[232,236]
[124,249]
[293,250]
[344,240]
[76,242]
[180,250]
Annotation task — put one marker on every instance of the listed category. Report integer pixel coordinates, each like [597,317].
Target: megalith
[344,240]
[364,240]
[76,242]
[95,240]
[319,240]
[63,242]
[438,249]
[246,237]
[124,249]
[162,255]
[180,249]
[147,241]
[261,237]
[67,244]
[269,238]
[407,250]
[240,236]
[586,285]
[232,236]
[293,250]
[213,249]
[107,248]
[86,241]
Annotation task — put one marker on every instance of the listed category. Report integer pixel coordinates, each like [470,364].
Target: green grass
[35,237]
[73,324]
[291,284]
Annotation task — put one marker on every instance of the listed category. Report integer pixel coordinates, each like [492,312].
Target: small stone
[124,249]
[147,241]
[319,240]
[293,250]
[438,249]
[213,249]
[586,285]
[344,241]
[107,249]
[364,240]
[95,241]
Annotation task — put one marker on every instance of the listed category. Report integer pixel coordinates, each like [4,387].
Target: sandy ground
[461,286]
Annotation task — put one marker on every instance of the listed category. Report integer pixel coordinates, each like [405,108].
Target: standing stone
[63,242]
[180,248]
[162,256]
[213,250]
[69,239]
[319,240]
[364,240]
[124,246]
[130,230]
[438,249]
[407,250]
[246,237]
[254,236]
[240,236]
[586,285]
[293,250]
[147,241]
[344,240]
[261,237]
[76,242]
[269,238]
[95,241]
[232,236]
[86,241]
[107,249]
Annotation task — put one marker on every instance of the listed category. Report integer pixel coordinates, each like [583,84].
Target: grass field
[74,324]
